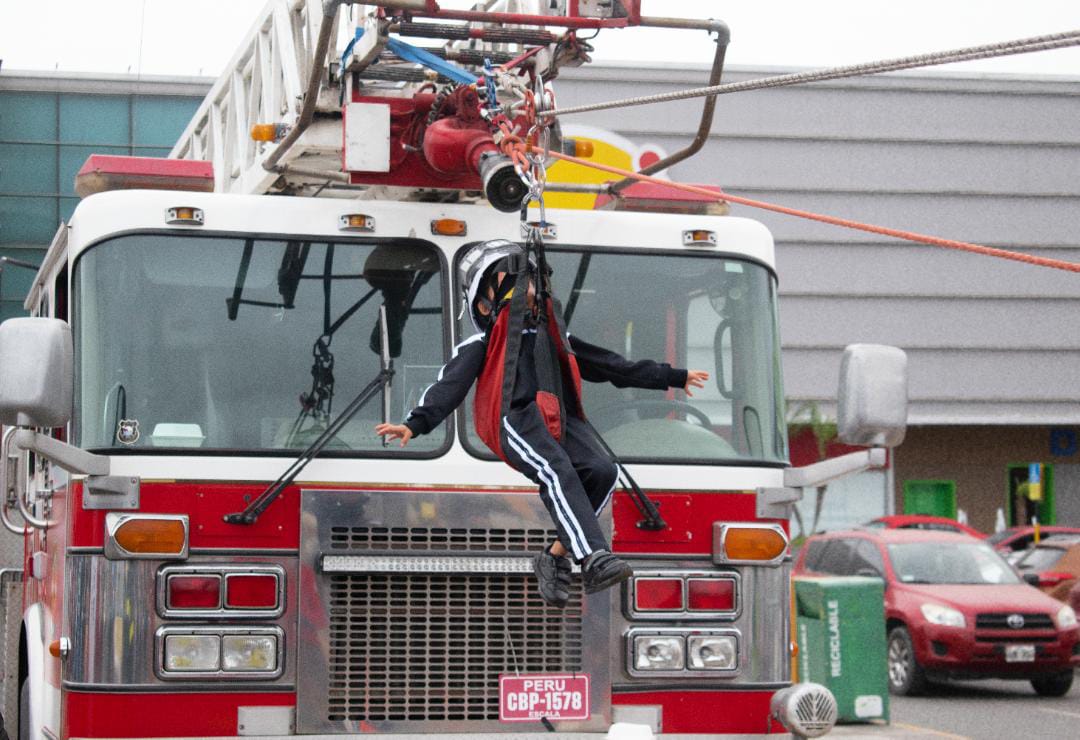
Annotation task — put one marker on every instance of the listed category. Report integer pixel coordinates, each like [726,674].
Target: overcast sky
[198,37]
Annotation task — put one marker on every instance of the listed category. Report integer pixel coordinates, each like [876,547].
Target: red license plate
[532,697]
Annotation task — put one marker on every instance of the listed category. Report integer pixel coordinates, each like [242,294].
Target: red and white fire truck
[217,544]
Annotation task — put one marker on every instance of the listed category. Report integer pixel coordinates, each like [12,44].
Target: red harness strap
[557,388]
[487,404]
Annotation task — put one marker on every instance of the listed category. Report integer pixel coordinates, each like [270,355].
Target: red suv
[953,609]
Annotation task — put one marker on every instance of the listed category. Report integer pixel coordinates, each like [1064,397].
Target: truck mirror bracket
[101,491]
[110,492]
[776,503]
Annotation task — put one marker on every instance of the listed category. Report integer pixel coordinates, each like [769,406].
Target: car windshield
[198,342]
[705,312]
[949,562]
[1040,558]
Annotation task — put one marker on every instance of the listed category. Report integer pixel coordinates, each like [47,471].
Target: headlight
[658,653]
[249,652]
[1066,618]
[712,652]
[192,652]
[943,615]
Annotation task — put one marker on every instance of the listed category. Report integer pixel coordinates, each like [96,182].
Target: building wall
[49,125]
[993,353]
[989,159]
[976,458]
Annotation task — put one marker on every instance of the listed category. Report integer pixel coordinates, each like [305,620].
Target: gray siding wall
[989,159]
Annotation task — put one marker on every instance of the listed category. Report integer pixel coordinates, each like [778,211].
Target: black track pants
[576,478]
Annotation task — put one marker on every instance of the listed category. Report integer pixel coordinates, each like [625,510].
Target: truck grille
[1000,621]
[423,646]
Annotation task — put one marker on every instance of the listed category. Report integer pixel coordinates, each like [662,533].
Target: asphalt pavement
[975,710]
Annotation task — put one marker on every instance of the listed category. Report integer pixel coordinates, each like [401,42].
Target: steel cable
[986,51]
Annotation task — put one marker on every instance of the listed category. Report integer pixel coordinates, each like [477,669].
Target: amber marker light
[744,543]
[699,238]
[268,131]
[583,148]
[146,536]
[356,222]
[449,227]
[185,215]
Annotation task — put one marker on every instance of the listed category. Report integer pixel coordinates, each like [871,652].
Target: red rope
[834,220]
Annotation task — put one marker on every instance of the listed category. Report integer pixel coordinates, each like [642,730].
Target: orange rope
[834,220]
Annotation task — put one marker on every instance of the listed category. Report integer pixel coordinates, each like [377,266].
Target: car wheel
[1057,684]
[906,676]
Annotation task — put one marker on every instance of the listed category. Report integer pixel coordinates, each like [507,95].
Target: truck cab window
[206,343]
[706,312]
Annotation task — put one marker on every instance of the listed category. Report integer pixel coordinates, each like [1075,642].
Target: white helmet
[477,261]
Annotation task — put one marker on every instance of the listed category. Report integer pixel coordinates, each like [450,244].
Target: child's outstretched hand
[395,431]
[695,379]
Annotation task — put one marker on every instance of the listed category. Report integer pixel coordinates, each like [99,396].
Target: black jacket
[596,364]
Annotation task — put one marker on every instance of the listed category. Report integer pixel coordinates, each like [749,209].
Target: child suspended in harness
[528,410]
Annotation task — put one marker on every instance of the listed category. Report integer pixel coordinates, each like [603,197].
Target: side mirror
[36,377]
[1032,579]
[872,403]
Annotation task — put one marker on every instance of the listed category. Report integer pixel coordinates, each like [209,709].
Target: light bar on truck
[449,564]
[745,543]
[146,536]
[652,197]
[103,172]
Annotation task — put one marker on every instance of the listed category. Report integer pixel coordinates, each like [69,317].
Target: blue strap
[348,49]
[415,54]
[411,53]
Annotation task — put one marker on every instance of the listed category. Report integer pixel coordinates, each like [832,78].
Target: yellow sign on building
[608,148]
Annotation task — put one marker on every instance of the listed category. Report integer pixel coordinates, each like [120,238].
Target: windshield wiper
[381,382]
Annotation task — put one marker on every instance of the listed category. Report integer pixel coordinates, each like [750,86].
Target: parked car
[923,521]
[1018,539]
[1053,565]
[953,609]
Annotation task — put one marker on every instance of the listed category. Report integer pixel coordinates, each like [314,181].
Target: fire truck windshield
[700,311]
[214,343]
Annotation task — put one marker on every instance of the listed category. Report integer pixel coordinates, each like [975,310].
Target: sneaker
[604,570]
[552,578]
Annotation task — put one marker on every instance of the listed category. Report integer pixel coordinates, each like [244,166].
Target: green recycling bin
[840,628]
